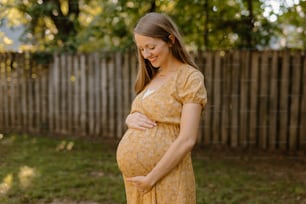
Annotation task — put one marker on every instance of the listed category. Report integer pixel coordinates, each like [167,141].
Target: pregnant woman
[154,155]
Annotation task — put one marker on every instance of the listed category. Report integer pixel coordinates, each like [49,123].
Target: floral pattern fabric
[140,150]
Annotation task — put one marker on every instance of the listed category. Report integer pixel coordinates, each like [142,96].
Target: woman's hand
[139,121]
[142,183]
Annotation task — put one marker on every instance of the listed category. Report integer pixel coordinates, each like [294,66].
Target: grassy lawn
[39,170]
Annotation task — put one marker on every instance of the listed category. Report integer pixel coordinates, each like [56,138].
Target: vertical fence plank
[44,100]
[294,106]
[31,95]
[235,81]
[70,78]
[244,97]
[91,95]
[41,98]
[226,94]
[23,94]
[37,98]
[51,98]
[92,72]
[7,90]
[3,92]
[13,93]
[134,70]
[12,89]
[111,96]
[273,99]
[208,108]
[216,106]
[283,112]
[97,93]
[18,94]
[104,96]
[118,96]
[34,84]
[62,94]
[302,133]
[126,88]
[83,95]
[253,99]
[76,95]
[263,100]
[2,78]
[6,94]
[56,94]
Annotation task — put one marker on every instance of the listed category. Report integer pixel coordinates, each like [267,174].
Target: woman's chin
[155,65]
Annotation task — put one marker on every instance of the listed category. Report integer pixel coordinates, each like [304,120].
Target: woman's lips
[153,59]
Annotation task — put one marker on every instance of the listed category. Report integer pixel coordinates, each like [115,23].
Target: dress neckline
[153,91]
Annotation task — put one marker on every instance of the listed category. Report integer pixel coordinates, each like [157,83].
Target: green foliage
[86,26]
[294,33]
[41,57]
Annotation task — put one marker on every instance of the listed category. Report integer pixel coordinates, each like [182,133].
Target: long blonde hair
[158,25]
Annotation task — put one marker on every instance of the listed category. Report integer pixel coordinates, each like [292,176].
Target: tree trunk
[153,6]
[250,26]
[206,29]
[65,24]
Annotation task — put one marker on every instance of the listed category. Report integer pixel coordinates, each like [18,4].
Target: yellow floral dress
[140,150]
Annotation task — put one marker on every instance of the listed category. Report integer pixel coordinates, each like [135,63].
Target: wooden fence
[255,98]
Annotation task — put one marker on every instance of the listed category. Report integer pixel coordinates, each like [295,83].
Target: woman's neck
[171,66]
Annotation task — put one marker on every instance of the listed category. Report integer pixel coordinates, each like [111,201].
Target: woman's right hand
[140,121]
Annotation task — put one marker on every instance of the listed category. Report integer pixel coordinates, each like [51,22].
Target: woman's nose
[146,53]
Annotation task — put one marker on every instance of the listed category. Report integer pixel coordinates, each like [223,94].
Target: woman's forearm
[174,155]
[184,143]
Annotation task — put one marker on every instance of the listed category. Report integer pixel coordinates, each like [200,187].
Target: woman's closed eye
[150,47]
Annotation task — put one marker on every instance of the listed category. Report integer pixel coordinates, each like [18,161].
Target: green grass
[230,177]
[36,170]
[86,172]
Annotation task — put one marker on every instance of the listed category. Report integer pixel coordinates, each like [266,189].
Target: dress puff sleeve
[191,88]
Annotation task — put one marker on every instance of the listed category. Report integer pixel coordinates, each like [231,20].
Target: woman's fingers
[146,122]
[140,182]
[140,121]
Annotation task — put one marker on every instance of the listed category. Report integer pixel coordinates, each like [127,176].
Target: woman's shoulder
[186,71]
[190,85]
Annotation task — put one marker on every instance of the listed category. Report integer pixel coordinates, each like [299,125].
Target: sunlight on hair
[26,175]
[6,184]
[1,136]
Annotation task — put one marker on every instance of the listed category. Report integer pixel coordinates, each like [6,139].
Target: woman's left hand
[141,182]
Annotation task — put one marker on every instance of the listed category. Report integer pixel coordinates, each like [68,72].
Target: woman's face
[155,50]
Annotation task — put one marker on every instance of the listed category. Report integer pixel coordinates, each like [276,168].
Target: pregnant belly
[139,151]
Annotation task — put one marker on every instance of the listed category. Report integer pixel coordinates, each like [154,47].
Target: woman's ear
[172,39]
